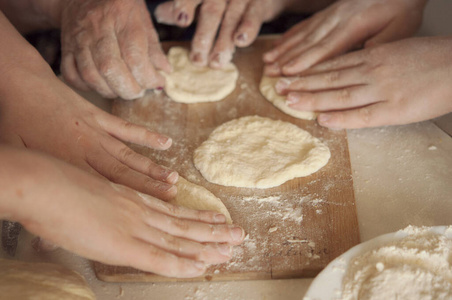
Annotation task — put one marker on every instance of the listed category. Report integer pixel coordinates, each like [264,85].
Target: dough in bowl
[257,152]
[267,88]
[191,84]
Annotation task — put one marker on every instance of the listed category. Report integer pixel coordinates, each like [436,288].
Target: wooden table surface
[314,217]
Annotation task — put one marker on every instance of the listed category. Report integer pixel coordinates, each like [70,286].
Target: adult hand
[40,112]
[342,27]
[107,222]
[110,46]
[238,23]
[395,83]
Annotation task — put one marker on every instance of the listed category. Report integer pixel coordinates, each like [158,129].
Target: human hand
[41,113]
[395,83]
[342,27]
[238,23]
[110,223]
[110,46]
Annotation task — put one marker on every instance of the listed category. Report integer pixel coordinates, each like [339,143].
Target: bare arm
[29,15]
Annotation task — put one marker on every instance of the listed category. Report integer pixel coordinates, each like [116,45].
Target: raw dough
[197,197]
[41,281]
[267,88]
[257,152]
[190,84]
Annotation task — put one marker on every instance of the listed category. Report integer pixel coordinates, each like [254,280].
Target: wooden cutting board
[294,230]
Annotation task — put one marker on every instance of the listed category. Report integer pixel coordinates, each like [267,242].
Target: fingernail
[269,56]
[165,141]
[242,37]
[282,84]
[292,99]
[199,265]
[324,118]
[225,249]
[219,218]
[182,18]
[172,177]
[165,187]
[159,88]
[237,234]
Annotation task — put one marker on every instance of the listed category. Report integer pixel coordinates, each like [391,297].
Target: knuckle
[213,8]
[117,171]
[181,226]
[365,116]
[125,152]
[332,77]
[107,65]
[343,96]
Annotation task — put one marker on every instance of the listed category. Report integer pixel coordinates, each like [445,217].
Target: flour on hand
[257,152]
[191,84]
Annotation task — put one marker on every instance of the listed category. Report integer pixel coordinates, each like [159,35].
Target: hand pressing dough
[41,281]
[267,88]
[257,152]
[191,84]
[194,196]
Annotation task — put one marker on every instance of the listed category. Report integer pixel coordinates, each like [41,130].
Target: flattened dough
[267,88]
[257,152]
[191,84]
[41,281]
[194,196]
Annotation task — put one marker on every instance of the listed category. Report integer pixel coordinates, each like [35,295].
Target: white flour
[415,267]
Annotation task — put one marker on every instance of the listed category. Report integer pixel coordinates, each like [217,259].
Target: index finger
[209,20]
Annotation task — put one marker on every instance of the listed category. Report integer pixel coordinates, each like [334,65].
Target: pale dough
[41,281]
[257,152]
[267,88]
[190,84]
[194,196]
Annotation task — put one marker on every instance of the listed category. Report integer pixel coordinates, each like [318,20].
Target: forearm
[17,58]
[30,15]
[16,181]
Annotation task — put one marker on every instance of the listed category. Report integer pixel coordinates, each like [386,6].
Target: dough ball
[194,196]
[191,84]
[22,280]
[257,152]
[267,88]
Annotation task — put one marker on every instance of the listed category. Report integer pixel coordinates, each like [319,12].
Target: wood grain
[314,217]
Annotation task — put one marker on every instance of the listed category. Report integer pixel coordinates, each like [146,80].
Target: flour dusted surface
[257,152]
[190,84]
[415,267]
[267,88]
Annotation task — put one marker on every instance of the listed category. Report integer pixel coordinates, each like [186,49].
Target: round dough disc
[257,152]
[194,196]
[191,84]
[267,88]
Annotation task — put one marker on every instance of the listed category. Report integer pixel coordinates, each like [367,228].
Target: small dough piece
[23,280]
[267,88]
[194,196]
[257,152]
[191,84]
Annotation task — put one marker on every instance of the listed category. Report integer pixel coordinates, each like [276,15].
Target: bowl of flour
[413,263]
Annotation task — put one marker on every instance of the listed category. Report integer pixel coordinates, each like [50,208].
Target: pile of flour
[415,267]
